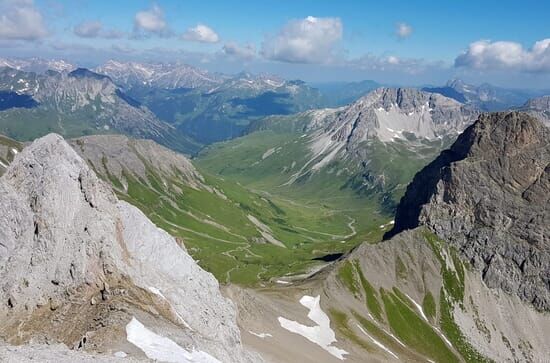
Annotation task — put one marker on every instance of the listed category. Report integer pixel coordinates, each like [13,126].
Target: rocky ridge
[38,65]
[488,195]
[77,264]
[392,113]
[485,96]
[116,156]
[160,75]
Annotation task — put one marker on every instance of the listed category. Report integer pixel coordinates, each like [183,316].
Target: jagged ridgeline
[210,106]
[81,267]
[77,103]
[463,274]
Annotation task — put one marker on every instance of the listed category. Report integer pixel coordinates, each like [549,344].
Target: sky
[419,42]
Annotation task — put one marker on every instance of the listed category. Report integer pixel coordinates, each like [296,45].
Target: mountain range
[76,103]
[458,279]
[486,96]
[371,147]
[209,107]
[190,216]
[90,270]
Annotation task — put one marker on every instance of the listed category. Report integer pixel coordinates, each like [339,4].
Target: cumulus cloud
[88,29]
[393,60]
[150,21]
[118,48]
[309,40]
[94,29]
[21,20]
[485,54]
[245,51]
[403,30]
[393,63]
[202,34]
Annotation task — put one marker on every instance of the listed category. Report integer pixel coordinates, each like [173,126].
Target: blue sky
[402,42]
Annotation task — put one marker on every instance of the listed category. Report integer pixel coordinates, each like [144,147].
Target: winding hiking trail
[350,225]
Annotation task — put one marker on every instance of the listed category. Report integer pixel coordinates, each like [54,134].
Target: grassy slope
[268,157]
[219,234]
[401,317]
[265,160]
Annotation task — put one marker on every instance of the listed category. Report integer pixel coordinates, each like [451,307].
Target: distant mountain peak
[86,73]
[38,65]
[389,113]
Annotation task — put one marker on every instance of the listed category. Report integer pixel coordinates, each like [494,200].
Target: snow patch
[418,307]
[268,153]
[157,292]
[282,282]
[261,335]
[120,354]
[163,349]
[444,338]
[320,334]
[14,151]
[377,343]
[421,311]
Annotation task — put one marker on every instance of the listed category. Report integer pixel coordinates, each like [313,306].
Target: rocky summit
[80,267]
[488,195]
[393,113]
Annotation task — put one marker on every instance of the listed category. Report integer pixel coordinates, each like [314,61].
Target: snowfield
[321,334]
[261,335]
[163,349]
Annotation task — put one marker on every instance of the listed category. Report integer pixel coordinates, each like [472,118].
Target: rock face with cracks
[489,196]
[76,264]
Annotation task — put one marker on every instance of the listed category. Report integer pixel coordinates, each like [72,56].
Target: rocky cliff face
[77,266]
[488,195]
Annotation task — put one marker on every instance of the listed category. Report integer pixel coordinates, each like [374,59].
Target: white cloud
[393,60]
[150,21]
[393,63]
[20,19]
[88,29]
[245,51]
[122,48]
[202,34]
[309,40]
[94,29]
[485,54]
[403,30]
